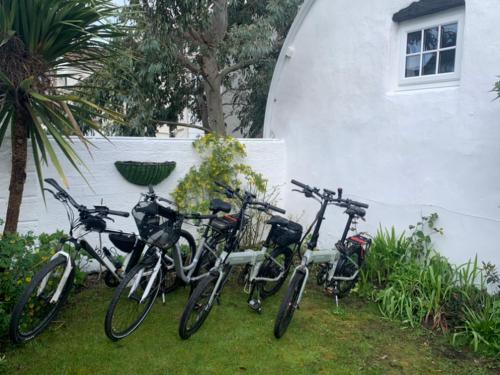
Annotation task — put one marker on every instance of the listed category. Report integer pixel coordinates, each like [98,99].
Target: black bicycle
[339,267]
[49,288]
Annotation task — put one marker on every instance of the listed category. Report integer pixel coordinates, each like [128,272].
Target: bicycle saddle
[356,211]
[217,205]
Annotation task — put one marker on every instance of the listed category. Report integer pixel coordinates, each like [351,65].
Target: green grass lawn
[235,340]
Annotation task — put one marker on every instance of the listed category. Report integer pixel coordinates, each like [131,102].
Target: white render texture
[106,183]
[336,102]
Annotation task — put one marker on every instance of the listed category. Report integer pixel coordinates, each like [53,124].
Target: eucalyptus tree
[213,39]
[43,43]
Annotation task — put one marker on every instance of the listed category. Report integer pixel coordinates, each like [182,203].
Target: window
[431,51]
[431,48]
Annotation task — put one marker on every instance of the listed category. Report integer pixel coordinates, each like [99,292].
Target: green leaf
[48,147]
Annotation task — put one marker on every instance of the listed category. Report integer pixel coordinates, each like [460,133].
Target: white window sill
[425,85]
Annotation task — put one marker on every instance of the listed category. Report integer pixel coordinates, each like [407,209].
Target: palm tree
[42,44]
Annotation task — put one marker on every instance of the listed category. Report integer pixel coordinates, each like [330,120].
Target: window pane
[449,35]
[429,62]
[412,66]
[414,41]
[447,61]
[431,39]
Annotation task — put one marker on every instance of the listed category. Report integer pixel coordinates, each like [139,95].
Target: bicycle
[49,288]
[263,267]
[340,266]
[137,292]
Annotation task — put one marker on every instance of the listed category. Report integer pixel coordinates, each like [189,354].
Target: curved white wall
[334,100]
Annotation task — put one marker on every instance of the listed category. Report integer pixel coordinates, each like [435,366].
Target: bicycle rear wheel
[198,307]
[347,267]
[288,305]
[126,312]
[34,310]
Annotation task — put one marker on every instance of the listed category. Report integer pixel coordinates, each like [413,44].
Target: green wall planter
[145,173]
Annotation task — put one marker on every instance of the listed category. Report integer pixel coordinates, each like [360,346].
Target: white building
[392,101]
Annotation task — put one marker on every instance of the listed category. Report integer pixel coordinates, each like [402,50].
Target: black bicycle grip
[359,204]
[118,213]
[300,184]
[277,209]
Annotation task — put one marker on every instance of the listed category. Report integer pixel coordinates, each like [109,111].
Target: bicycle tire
[15,333]
[204,289]
[288,305]
[269,269]
[345,268]
[122,288]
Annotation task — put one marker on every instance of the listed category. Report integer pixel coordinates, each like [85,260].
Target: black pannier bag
[285,235]
[147,216]
[123,241]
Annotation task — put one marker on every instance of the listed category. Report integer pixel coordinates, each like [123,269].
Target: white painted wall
[265,156]
[336,103]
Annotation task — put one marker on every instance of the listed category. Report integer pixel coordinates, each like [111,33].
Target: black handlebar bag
[159,226]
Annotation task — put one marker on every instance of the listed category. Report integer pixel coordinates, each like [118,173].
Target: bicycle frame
[79,243]
[329,256]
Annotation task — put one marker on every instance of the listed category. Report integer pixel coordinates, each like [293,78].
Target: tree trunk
[212,82]
[18,171]
[214,107]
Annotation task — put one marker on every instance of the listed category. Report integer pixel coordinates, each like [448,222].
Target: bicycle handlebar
[118,213]
[267,206]
[300,184]
[63,192]
[277,209]
[359,204]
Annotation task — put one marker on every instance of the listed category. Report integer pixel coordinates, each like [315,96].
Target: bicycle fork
[62,282]
[151,281]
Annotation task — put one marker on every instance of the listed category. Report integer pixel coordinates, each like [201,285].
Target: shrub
[481,328]
[21,256]
[220,161]
[414,284]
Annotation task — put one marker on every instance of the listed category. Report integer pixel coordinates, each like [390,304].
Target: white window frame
[443,18]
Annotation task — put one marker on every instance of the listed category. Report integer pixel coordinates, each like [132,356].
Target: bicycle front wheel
[280,261]
[198,307]
[288,305]
[130,304]
[35,309]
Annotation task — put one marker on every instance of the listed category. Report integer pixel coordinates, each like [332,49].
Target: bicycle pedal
[337,300]
[163,298]
[330,291]
[255,305]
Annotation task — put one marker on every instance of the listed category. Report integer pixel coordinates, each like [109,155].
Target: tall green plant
[221,160]
[43,42]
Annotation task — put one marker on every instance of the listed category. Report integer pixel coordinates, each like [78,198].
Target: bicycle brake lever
[108,218]
[51,192]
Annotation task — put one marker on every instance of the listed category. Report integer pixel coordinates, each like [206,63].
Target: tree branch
[193,67]
[192,126]
[238,66]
